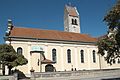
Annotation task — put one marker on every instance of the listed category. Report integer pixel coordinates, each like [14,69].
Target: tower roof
[72,11]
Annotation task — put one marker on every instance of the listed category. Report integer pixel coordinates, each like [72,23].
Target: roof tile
[71,10]
[50,34]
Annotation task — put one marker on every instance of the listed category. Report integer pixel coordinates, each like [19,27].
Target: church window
[19,50]
[72,21]
[94,57]
[54,58]
[69,55]
[82,56]
[75,21]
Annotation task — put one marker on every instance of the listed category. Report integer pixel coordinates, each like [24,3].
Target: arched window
[75,21]
[54,58]
[69,56]
[94,57]
[82,56]
[19,50]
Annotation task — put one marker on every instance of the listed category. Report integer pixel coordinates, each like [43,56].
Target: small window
[54,58]
[69,55]
[75,21]
[82,56]
[72,21]
[94,57]
[19,50]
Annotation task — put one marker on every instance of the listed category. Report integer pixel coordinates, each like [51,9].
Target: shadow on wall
[21,75]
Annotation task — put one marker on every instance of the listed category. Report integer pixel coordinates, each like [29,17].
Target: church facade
[50,50]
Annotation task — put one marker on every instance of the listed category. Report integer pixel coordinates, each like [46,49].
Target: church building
[51,50]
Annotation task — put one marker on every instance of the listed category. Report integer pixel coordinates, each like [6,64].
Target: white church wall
[61,52]
[57,65]
[26,53]
[92,64]
[75,57]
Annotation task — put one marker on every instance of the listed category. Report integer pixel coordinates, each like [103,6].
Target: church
[51,50]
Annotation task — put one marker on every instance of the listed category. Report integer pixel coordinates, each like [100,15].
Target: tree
[10,58]
[109,44]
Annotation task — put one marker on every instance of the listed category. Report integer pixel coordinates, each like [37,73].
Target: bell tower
[71,19]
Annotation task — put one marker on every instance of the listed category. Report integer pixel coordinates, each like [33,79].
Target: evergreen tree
[10,58]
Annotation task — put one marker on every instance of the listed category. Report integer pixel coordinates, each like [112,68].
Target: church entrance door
[49,68]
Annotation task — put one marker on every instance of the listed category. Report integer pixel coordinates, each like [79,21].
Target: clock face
[73,29]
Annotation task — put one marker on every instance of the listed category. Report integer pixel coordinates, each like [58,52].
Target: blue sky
[48,14]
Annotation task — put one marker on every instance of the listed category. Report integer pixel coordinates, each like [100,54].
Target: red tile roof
[50,34]
[46,61]
[71,10]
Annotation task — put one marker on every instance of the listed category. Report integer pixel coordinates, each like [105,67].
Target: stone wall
[74,75]
[9,77]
